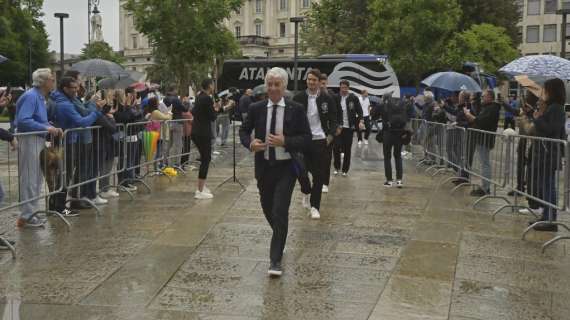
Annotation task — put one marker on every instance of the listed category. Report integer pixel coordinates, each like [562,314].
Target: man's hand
[13,144]
[338,131]
[100,103]
[537,114]
[57,132]
[257,145]
[329,140]
[4,100]
[276,140]
[361,125]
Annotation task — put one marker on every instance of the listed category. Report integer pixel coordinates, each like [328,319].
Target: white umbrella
[99,68]
[547,66]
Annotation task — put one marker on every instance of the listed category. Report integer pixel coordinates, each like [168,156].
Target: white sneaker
[538,211]
[325,189]
[217,153]
[99,201]
[388,184]
[365,141]
[359,143]
[109,194]
[315,213]
[399,184]
[306,202]
[202,195]
[206,190]
[335,172]
[345,174]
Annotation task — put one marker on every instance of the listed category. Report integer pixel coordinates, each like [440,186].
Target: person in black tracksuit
[394,118]
[322,116]
[350,117]
[204,113]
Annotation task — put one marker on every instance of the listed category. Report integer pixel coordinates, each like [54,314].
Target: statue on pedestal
[96,26]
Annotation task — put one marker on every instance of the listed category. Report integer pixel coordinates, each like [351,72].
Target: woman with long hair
[204,114]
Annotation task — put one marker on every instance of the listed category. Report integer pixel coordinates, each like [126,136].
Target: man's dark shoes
[478,193]
[546,227]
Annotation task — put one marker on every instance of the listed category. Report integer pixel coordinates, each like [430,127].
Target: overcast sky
[75,27]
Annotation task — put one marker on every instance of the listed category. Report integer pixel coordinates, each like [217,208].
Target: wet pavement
[377,253]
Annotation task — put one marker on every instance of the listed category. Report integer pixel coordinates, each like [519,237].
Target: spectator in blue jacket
[31,116]
[68,117]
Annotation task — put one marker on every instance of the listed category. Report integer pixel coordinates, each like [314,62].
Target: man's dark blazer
[354,109]
[296,130]
[327,110]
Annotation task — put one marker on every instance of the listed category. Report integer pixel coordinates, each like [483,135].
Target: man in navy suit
[281,130]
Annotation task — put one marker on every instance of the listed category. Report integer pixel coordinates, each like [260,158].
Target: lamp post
[30,61]
[61,16]
[565,11]
[296,21]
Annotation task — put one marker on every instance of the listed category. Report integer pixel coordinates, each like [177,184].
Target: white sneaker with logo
[200,195]
[315,213]
[325,189]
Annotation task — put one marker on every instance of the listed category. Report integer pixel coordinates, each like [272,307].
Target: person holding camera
[204,113]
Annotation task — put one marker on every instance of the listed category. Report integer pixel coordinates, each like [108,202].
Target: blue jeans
[485,160]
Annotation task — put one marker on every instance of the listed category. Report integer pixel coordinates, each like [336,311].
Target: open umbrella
[99,68]
[547,66]
[3,59]
[452,81]
[530,85]
[115,83]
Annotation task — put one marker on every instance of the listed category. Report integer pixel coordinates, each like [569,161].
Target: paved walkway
[414,253]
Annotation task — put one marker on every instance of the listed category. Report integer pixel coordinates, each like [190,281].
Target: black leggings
[204,145]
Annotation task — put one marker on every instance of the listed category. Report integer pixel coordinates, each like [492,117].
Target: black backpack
[397,116]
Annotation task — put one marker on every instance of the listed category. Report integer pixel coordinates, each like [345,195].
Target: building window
[281,50]
[567,30]
[550,6]
[282,29]
[306,3]
[258,30]
[147,59]
[133,60]
[238,31]
[258,6]
[135,42]
[282,5]
[238,10]
[533,7]
[532,34]
[549,33]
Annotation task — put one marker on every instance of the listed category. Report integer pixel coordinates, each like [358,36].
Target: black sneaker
[69,213]
[388,184]
[478,193]
[3,245]
[546,227]
[275,270]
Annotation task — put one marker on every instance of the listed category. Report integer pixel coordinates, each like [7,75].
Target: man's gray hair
[40,76]
[277,72]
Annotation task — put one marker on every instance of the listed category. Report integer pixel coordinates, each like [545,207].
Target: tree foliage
[501,13]
[100,50]
[335,26]
[414,33]
[20,30]
[484,43]
[185,34]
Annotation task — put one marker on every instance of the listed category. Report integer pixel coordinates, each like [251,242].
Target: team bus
[363,71]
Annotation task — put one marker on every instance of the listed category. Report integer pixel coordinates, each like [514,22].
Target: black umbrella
[99,68]
[3,59]
[115,83]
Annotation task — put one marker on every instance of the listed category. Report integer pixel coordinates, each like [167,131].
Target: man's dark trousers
[275,189]
[315,159]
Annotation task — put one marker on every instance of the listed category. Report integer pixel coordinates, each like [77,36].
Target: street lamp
[296,21]
[565,11]
[61,16]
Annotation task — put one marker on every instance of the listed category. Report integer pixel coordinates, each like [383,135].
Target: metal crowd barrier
[418,127]
[535,168]
[486,158]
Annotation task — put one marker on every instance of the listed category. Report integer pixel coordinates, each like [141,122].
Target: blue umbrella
[547,66]
[3,59]
[452,81]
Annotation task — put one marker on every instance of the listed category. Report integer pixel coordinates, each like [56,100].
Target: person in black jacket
[546,157]
[204,113]
[281,130]
[350,117]
[128,114]
[323,79]
[321,113]
[486,120]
